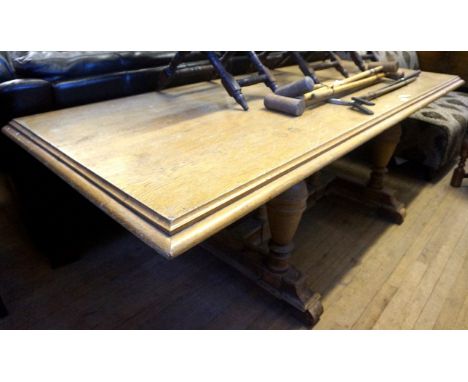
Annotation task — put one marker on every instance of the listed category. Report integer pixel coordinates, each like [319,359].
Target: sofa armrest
[24,96]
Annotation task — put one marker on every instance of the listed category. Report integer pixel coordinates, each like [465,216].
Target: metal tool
[232,85]
[296,107]
[356,104]
[393,86]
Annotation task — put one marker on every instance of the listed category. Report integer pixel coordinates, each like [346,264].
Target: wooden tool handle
[360,76]
[297,88]
[328,91]
[296,107]
[373,68]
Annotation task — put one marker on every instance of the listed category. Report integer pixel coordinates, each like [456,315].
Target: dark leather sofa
[32,82]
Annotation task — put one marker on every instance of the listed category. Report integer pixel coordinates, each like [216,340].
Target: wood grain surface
[174,167]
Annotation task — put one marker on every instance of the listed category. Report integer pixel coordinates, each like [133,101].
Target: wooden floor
[371,273]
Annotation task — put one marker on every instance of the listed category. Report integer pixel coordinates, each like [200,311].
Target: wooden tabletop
[174,167]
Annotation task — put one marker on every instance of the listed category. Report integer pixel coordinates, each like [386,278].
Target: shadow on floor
[119,282]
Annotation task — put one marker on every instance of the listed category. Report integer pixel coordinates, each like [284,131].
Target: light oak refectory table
[177,167]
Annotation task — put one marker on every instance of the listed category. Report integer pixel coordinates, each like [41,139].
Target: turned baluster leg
[383,148]
[168,74]
[375,194]
[229,82]
[304,66]
[357,59]
[284,215]
[268,265]
[459,173]
[338,65]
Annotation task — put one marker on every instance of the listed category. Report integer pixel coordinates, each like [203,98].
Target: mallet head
[286,105]
[388,66]
[296,88]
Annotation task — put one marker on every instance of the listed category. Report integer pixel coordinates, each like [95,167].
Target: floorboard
[372,274]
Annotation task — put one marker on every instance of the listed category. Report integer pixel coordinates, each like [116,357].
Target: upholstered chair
[434,134]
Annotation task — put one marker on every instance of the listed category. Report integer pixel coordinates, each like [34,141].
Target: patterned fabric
[406,59]
[433,135]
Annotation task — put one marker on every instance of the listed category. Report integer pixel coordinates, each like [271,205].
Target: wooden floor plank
[440,289]
[391,314]
[371,273]
[462,318]
[453,303]
[428,219]
[403,312]
[339,252]
[381,257]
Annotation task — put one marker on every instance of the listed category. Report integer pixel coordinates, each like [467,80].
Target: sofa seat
[432,136]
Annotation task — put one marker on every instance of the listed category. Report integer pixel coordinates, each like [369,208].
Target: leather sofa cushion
[62,66]
[20,97]
[55,66]
[134,60]
[100,88]
[6,71]
[88,90]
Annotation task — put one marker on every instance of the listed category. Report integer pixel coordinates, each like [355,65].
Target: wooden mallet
[373,68]
[296,106]
[306,84]
[297,88]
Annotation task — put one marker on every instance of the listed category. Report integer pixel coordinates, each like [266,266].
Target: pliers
[356,104]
